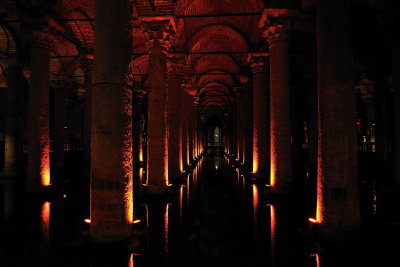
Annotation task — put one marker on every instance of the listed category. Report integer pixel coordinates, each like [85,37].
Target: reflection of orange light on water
[137,221]
[166,228]
[45,220]
[273,225]
[181,201]
[255,202]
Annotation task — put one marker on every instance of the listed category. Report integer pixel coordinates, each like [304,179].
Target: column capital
[276,23]
[42,31]
[86,62]
[176,63]
[187,86]
[258,61]
[159,31]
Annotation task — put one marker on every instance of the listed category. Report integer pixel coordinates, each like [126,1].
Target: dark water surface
[216,217]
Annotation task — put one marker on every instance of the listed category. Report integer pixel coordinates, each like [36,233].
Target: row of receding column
[338,208]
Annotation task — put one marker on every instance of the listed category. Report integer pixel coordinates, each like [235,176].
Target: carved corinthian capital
[276,24]
[159,32]
[258,62]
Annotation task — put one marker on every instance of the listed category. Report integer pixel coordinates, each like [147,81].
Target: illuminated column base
[260,115]
[158,35]
[38,170]
[276,27]
[111,204]
[338,207]
[175,68]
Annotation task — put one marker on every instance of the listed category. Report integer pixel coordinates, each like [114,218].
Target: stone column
[175,70]
[111,207]
[381,123]
[248,123]
[158,33]
[276,26]
[137,119]
[87,67]
[186,99]
[396,76]
[60,89]
[240,121]
[12,121]
[38,170]
[338,207]
[260,116]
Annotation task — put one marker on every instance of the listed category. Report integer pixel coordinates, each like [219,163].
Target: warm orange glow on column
[45,164]
[319,212]
[45,220]
[272,179]
[255,158]
[166,177]
[180,154]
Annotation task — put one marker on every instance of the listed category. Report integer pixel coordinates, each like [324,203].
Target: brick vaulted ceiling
[214,35]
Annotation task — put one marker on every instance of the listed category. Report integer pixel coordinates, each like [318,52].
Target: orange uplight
[312,220]
[45,220]
[87,220]
[45,175]
[45,160]
[137,221]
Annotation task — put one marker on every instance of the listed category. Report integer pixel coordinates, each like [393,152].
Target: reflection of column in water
[147,223]
[166,229]
[273,231]
[255,206]
[45,221]
[181,189]
[158,231]
[9,201]
[189,189]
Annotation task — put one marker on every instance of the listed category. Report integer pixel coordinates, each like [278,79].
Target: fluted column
[158,33]
[175,71]
[12,120]
[260,116]
[139,95]
[111,206]
[276,30]
[38,170]
[338,207]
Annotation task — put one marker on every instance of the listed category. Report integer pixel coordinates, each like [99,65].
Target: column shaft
[175,166]
[338,209]
[111,207]
[280,120]
[260,118]
[38,171]
[12,121]
[396,76]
